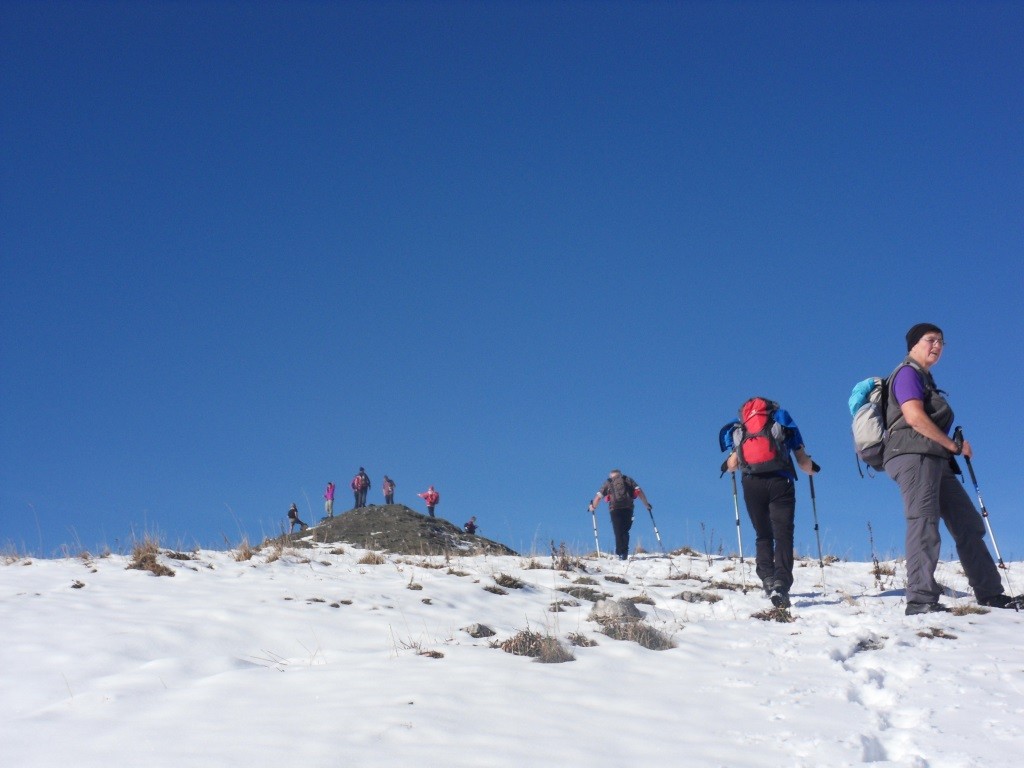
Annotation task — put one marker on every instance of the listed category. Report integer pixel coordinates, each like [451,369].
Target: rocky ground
[396,528]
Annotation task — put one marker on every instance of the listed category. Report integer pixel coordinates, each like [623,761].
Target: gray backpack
[868,402]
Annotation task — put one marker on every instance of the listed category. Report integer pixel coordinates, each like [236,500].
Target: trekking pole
[739,538]
[656,534]
[958,438]
[736,506]
[814,509]
[593,516]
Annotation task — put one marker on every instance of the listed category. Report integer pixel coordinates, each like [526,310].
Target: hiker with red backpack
[431,497]
[760,445]
[360,485]
[619,490]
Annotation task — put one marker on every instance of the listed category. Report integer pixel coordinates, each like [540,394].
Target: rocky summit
[396,528]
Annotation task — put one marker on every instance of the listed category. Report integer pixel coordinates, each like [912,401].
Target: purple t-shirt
[907,385]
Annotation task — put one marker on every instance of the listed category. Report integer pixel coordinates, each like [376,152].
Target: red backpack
[760,441]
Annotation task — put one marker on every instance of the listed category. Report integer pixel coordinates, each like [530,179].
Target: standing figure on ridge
[389,490]
[619,490]
[329,500]
[293,518]
[431,497]
[360,485]
[760,444]
[471,527]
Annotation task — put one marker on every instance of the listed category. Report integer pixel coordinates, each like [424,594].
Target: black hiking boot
[779,597]
[913,609]
[1002,601]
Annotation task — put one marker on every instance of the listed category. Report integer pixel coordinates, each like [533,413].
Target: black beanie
[914,334]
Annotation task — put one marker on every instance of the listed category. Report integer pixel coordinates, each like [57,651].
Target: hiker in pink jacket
[431,497]
[329,500]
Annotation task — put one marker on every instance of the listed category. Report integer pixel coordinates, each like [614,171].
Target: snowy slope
[311,658]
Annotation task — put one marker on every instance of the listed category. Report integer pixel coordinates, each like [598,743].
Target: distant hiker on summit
[470,527]
[759,445]
[329,500]
[619,490]
[389,490]
[918,455]
[293,518]
[431,497]
[360,485]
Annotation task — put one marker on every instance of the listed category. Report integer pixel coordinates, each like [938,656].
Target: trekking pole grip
[958,438]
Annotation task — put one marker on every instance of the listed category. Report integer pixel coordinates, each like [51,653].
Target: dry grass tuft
[511,582]
[544,648]
[639,632]
[372,558]
[561,560]
[727,585]
[967,609]
[581,640]
[781,615]
[494,589]
[643,599]
[698,597]
[144,558]
[584,593]
[936,632]
[244,551]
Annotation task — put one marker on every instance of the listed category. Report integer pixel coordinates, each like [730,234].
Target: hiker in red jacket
[431,497]
[360,485]
[389,490]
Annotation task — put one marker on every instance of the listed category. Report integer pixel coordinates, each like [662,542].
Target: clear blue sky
[497,247]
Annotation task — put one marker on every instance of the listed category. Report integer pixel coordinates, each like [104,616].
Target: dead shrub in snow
[543,648]
[698,597]
[244,551]
[581,640]
[639,632]
[584,593]
[781,615]
[144,558]
[643,599]
[372,558]
[511,582]
[967,609]
[561,560]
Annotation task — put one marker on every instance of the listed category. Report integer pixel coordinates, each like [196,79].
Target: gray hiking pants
[931,491]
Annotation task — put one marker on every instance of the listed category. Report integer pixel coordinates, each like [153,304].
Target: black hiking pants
[622,521]
[771,504]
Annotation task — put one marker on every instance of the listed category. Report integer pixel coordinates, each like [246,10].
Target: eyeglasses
[933,341]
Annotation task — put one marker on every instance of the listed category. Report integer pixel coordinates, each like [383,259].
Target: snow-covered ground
[315,659]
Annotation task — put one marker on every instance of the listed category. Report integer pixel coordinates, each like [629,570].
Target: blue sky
[495,247]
